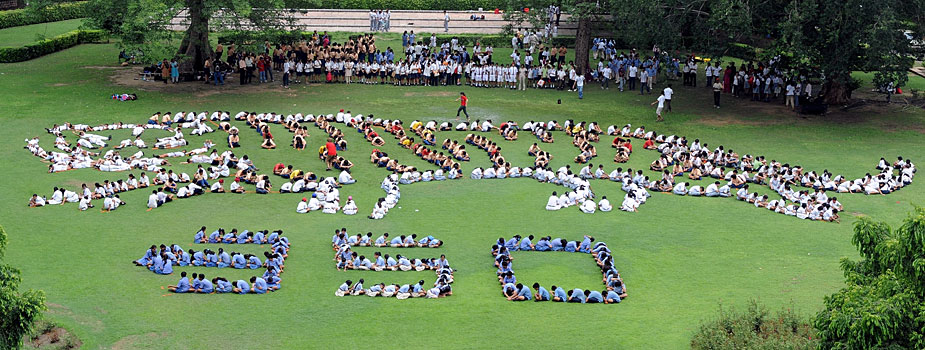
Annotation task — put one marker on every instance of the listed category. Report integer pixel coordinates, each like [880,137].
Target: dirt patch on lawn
[133,341]
[55,338]
[726,120]
[130,78]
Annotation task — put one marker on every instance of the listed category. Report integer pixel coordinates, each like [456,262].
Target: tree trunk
[583,44]
[834,92]
[195,46]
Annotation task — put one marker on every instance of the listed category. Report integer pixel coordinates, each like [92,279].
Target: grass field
[681,257]
[19,36]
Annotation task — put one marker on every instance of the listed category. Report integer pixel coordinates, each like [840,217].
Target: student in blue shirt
[253,261]
[365,240]
[185,258]
[523,293]
[390,263]
[224,260]
[244,237]
[526,244]
[148,258]
[357,288]
[541,293]
[200,236]
[508,277]
[381,241]
[157,264]
[611,297]
[577,296]
[273,282]
[557,244]
[375,290]
[211,259]
[230,237]
[167,267]
[259,285]
[571,246]
[221,285]
[182,286]
[241,287]
[344,289]
[238,261]
[585,246]
[397,241]
[618,287]
[216,236]
[199,258]
[593,297]
[509,290]
[543,244]
[260,237]
[409,241]
[417,290]
[205,286]
[380,262]
[511,244]
[194,283]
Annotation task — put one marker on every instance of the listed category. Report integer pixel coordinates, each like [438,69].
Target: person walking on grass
[446,22]
[661,105]
[463,101]
[717,91]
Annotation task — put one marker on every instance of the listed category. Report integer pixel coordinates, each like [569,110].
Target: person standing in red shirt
[330,153]
[463,101]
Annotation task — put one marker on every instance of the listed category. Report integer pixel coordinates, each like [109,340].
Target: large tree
[18,310]
[883,306]
[154,26]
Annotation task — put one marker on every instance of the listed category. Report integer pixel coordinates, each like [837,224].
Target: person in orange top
[330,153]
[649,144]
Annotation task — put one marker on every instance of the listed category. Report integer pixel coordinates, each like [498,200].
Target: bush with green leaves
[53,13]
[18,310]
[755,328]
[50,45]
[883,306]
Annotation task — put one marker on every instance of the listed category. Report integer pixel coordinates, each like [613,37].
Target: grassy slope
[679,256]
[19,36]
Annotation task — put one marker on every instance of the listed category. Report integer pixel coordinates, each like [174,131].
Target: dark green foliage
[54,13]
[18,310]
[755,328]
[884,303]
[50,45]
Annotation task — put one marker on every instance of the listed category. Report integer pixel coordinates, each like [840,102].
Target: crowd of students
[614,291]
[347,259]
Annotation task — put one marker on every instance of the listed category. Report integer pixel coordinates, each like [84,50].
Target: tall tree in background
[883,306]
[151,25]
[18,310]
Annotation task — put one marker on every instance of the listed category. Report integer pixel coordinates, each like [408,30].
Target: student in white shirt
[553,203]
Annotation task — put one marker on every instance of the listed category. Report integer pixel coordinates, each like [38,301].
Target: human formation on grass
[162,261]
[347,259]
[614,291]
[797,191]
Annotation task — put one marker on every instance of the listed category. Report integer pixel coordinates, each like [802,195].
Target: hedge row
[495,40]
[454,5]
[50,45]
[54,13]
[743,51]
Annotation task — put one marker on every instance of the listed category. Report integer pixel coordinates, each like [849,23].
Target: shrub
[54,13]
[743,51]
[755,328]
[50,45]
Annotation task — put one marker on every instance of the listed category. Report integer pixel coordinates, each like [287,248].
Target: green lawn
[19,36]
[681,257]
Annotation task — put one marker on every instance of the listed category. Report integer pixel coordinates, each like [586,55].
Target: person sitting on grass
[183,286]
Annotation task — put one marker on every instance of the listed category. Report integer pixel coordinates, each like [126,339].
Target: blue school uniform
[525,244]
[199,236]
[571,246]
[167,268]
[390,262]
[556,245]
[509,279]
[254,262]
[396,240]
[157,264]
[352,240]
[380,261]
[404,288]
[364,240]
[525,292]
[146,259]
[198,259]
[543,294]
[239,262]
[183,285]
[273,281]
[243,286]
[206,286]
[344,287]
[184,259]
[417,288]
[380,240]
[585,246]
[509,287]
[228,238]
[223,287]
[511,244]
[211,260]
[613,296]
[224,260]
[272,237]
[595,297]
[409,241]
[215,237]
[543,245]
[242,238]
[578,294]
[259,237]
[260,286]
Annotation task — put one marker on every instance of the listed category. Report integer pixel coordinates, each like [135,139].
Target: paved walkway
[419,21]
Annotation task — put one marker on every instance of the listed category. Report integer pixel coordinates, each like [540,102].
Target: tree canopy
[883,305]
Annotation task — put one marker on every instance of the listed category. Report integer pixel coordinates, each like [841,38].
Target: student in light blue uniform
[381,241]
[390,263]
[541,293]
[523,293]
[238,261]
[512,244]
[526,244]
[244,237]
[194,283]
[366,240]
[260,237]
[216,236]
[509,290]
[593,297]
[182,286]
[543,244]
[508,278]
[205,286]
[417,290]
[253,261]
[157,264]
[258,285]
[224,260]
[611,297]
[397,241]
[185,258]
[409,241]
[273,282]
[241,287]
[211,259]
[389,290]
[167,267]
[380,261]
[375,290]
[148,258]
[585,246]
[230,237]
[571,246]
[222,285]
[200,236]
[557,244]
[199,258]
[577,296]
